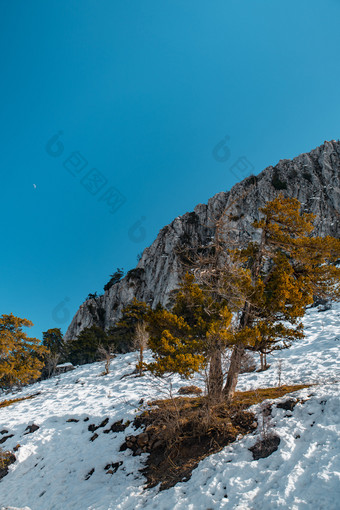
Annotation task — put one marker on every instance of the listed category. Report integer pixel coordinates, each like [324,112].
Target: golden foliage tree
[253,300]
[194,333]
[21,357]
[286,268]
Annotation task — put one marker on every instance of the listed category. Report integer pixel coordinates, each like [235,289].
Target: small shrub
[92,296]
[115,278]
[140,343]
[135,273]
[6,459]
[251,180]
[105,355]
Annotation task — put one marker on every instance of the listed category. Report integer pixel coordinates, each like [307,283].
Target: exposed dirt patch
[180,432]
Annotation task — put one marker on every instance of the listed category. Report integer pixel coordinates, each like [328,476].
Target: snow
[64,365]
[52,462]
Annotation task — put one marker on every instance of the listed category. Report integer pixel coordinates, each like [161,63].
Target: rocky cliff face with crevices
[313,178]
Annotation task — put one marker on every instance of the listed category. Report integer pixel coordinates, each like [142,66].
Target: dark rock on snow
[31,428]
[265,447]
[288,405]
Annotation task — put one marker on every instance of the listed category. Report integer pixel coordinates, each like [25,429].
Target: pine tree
[122,334]
[193,334]
[286,268]
[114,278]
[21,357]
[53,341]
[254,300]
[84,348]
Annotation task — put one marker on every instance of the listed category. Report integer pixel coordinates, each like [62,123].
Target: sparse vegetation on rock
[179,432]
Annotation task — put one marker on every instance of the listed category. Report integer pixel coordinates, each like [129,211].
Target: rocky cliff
[313,178]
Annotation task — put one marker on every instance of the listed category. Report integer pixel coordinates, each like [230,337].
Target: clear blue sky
[142,91]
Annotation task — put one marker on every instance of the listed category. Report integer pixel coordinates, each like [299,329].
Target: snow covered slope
[53,466]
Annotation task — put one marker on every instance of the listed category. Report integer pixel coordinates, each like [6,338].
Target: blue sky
[143,92]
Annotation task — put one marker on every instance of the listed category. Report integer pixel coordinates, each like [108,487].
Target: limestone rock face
[313,178]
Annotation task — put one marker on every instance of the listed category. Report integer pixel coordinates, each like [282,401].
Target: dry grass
[6,403]
[249,398]
[6,459]
[241,398]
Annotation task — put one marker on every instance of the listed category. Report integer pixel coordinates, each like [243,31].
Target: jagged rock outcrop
[313,178]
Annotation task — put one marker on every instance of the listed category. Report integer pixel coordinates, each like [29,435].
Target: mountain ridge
[313,178]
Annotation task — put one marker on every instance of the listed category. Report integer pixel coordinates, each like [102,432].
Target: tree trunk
[141,359]
[215,378]
[233,372]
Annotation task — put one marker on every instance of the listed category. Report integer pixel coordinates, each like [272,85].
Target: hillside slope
[313,178]
[54,461]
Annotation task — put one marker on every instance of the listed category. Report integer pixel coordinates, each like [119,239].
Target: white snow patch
[52,462]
